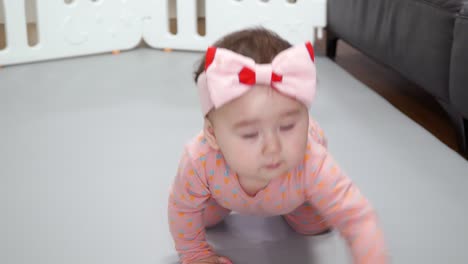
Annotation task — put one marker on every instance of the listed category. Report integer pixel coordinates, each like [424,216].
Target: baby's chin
[270,175]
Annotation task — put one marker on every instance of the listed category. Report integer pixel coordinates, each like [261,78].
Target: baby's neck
[252,187]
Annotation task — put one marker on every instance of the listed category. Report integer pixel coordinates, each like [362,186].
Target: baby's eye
[250,135]
[286,128]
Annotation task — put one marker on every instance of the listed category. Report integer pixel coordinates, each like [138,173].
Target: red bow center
[262,75]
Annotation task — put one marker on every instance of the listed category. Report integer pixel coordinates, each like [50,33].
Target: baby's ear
[208,131]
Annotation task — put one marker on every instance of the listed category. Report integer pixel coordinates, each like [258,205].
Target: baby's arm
[341,204]
[187,200]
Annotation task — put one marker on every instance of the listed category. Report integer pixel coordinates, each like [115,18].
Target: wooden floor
[406,96]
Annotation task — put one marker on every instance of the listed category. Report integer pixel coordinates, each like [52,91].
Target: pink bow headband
[229,75]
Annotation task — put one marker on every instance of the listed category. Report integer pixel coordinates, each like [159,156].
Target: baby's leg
[214,213]
[305,220]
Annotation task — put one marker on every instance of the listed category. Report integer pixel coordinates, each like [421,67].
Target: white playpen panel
[156,25]
[71,29]
[293,21]
[68,28]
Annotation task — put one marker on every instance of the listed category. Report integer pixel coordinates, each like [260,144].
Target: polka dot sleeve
[188,198]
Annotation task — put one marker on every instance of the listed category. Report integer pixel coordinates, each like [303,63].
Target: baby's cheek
[247,154]
[296,150]
[242,147]
[241,155]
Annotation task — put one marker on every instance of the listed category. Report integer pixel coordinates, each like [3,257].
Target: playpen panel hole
[30,9]
[3,39]
[172,16]
[201,17]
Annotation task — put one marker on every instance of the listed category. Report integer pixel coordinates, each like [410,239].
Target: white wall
[32,15]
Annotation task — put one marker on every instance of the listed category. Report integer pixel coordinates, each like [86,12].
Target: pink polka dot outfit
[312,197]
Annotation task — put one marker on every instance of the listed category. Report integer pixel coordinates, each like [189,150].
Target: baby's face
[262,134]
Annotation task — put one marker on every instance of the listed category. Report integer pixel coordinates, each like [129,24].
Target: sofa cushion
[453,6]
[458,66]
[464,9]
[412,37]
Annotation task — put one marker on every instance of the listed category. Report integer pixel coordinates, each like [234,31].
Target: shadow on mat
[260,240]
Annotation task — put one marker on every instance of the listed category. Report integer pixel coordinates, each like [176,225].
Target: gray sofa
[424,40]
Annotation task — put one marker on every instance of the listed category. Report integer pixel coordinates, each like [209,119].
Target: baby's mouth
[273,166]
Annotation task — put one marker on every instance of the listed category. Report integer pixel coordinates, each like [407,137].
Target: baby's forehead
[264,98]
[261,102]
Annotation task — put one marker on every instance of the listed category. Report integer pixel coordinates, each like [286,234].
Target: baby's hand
[213,260]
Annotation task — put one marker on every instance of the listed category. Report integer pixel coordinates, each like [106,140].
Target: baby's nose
[272,144]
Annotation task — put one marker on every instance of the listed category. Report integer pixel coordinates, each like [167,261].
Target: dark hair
[260,44]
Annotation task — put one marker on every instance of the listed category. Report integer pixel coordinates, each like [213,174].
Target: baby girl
[260,152]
